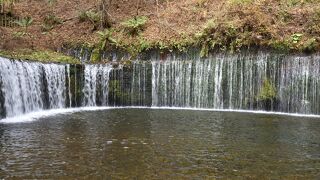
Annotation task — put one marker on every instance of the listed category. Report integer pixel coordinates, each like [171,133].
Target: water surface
[161,144]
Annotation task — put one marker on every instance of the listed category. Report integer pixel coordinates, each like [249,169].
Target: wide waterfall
[244,81]
[237,82]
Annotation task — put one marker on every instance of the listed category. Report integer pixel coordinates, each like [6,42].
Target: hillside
[137,25]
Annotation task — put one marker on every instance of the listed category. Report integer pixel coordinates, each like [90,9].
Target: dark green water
[161,144]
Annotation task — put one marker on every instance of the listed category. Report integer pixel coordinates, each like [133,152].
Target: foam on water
[31,117]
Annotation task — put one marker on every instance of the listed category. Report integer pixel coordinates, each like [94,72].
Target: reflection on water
[161,144]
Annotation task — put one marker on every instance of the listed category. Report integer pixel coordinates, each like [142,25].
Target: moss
[42,56]
[78,44]
[96,55]
[126,63]
[280,45]
[310,45]
[115,89]
[267,92]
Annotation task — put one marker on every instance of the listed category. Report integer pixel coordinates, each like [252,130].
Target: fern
[50,21]
[135,25]
[105,37]
[25,23]
[90,16]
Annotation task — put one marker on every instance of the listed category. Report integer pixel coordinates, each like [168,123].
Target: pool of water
[161,144]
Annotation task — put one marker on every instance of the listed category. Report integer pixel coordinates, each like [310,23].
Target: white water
[236,81]
[56,84]
[30,117]
[96,76]
[25,89]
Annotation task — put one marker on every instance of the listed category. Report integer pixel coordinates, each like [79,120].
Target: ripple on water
[161,144]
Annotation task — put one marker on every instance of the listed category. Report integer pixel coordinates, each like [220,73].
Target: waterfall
[139,83]
[96,84]
[56,85]
[69,86]
[24,88]
[226,81]
[244,81]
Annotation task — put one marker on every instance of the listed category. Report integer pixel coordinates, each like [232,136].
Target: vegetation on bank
[41,56]
[137,26]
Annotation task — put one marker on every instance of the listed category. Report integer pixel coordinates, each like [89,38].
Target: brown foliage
[253,22]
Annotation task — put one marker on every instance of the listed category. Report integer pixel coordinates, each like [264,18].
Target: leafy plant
[50,21]
[90,15]
[310,45]
[95,55]
[291,3]
[240,2]
[296,38]
[51,2]
[143,44]
[201,3]
[94,17]
[25,23]
[284,16]
[5,3]
[204,37]
[105,37]
[135,25]
[280,45]
[46,28]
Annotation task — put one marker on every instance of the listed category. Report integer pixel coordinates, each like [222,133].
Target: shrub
[51,2]
[204,37]
[50,21]
[296,38]
[46,28]
[201,3]
[5,4]
[135,25]
[310,45]
[25,23]
[240,2]
[90,16]
[105,37]
[225,36]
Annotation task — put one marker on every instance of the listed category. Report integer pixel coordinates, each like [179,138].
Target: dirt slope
[227,24]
